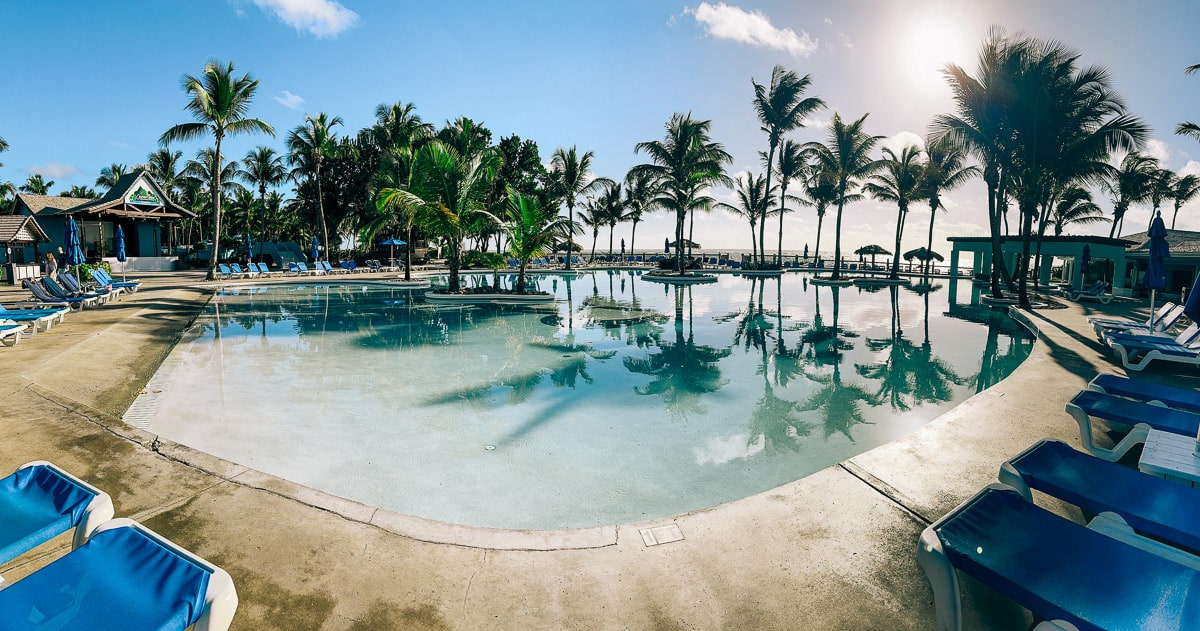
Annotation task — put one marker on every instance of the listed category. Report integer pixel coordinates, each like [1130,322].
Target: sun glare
[931,41]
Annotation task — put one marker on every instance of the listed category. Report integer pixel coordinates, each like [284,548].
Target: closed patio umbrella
[249,251]
[119,239]
[1156,271]
[314,249]
[73,253]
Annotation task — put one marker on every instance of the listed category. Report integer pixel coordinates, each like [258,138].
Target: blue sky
[87,84]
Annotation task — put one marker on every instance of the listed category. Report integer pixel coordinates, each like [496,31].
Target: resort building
[136,203]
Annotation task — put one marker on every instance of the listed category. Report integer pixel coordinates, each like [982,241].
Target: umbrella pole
[1150,321]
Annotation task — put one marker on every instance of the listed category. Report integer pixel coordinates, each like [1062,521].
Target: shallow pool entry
[625,400]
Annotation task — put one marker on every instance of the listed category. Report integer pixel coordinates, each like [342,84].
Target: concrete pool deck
[831,551]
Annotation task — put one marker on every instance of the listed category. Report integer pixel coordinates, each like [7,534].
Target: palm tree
[263,167]
[780,109]
[613,210]
[163,166]
[400,132]
[683,164]
[943,171]
[640,193]
[110,174]
[898,182]
[3,148]
[753,202]
[1185,190]
[203,169]
[847,160]
[592,216]
[791,167]
[308,146]
[36,185]
[81,192]
[1183,129]
[220,103]
[569,172]
[532,231]
[822,191]
[453,188]
[1128,184]
[1075,205]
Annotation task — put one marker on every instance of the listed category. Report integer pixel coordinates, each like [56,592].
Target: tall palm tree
[1185,190]
[570,173]
[753,202]
[263,167]
[899,182]
[613,210]
[1075,205]
[163,165]
[532,231]
[220,103]
[308,146]
[822,191]
[640,193]
[591,215]
[81,192]
[1184,128]
[942,172]
[1128,184]
[36,184]
[3,148]
[780,108]
[847,158]
[204,169]
[683,164]
[110,174]
[791,167]
[400,132]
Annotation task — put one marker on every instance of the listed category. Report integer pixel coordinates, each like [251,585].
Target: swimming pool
[626,400]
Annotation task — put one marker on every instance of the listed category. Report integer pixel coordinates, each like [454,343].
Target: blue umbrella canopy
[392,242]
[73,253]
[1156,272]
[119,240]
[314,249]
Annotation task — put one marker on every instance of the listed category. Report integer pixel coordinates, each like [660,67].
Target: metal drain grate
[145,407]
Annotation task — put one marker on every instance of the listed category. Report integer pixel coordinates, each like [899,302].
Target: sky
[86,84]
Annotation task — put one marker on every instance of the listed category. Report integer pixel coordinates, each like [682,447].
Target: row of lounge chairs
[1132,566]
[51,300]
[1137,344]
[1096,291]
[119,574]
[260,270]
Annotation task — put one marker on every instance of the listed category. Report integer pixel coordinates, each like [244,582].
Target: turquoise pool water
[626,400]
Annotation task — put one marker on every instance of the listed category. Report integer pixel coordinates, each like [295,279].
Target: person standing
[51,266]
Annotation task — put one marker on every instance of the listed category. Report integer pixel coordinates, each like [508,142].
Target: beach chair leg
[947,600]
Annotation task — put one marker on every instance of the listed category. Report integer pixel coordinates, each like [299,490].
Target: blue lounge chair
[1152,506]
[10,332]
[247,273]
[59,292]
[1136,351]
[1096,291]
[40,319]
[1139,417]
[305,270]
[40,501]
[72,284]
[125,577]
[1161,320]
[1144,391]
[104,280]
[1057,569]
[41,295]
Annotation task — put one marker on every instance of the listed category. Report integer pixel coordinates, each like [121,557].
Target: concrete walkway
[831,551]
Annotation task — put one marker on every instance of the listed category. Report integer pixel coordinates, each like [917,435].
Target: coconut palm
[532,231]
[571,177]
[3,148]
[1128,184]
[640,193]
[263,167]
[753,202]
[1183,129]
[110,174]
[309,145]
[791,168]
[453,189]
[163,166]
[899,182]
[203,169]
[36,185]
[591,215]
[80,192]
[220,103]
[400,132]
[612,210]
[780,109]
[683,165]
[1075,205]
[847,159]
[943,171]
[821,190]
[1186,189]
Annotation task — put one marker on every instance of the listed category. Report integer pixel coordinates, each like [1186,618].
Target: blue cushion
[1111,408]
[37,504]
[1179,398]
[121,579]
[1060,570]
[1152,506]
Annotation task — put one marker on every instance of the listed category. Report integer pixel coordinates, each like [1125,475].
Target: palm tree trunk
[837,239]
[1023,266]
[762,226]
[929,241]
[633,238]
[820,220]
[679,216]
[321,211]
[782,209]
[521,276]
[571,231]
[1174,216]
[610,237]
[595,238]
[216,195]
[896,256]
[408,248]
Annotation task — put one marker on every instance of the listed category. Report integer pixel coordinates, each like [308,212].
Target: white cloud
[322,18]
[1191,168]
[901,140]
[287,99]
[1157,149]
[54,170]
[829,21]
[845,40]
[729,22]
[819,123]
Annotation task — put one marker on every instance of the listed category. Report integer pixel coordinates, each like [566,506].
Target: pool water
[626,400]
